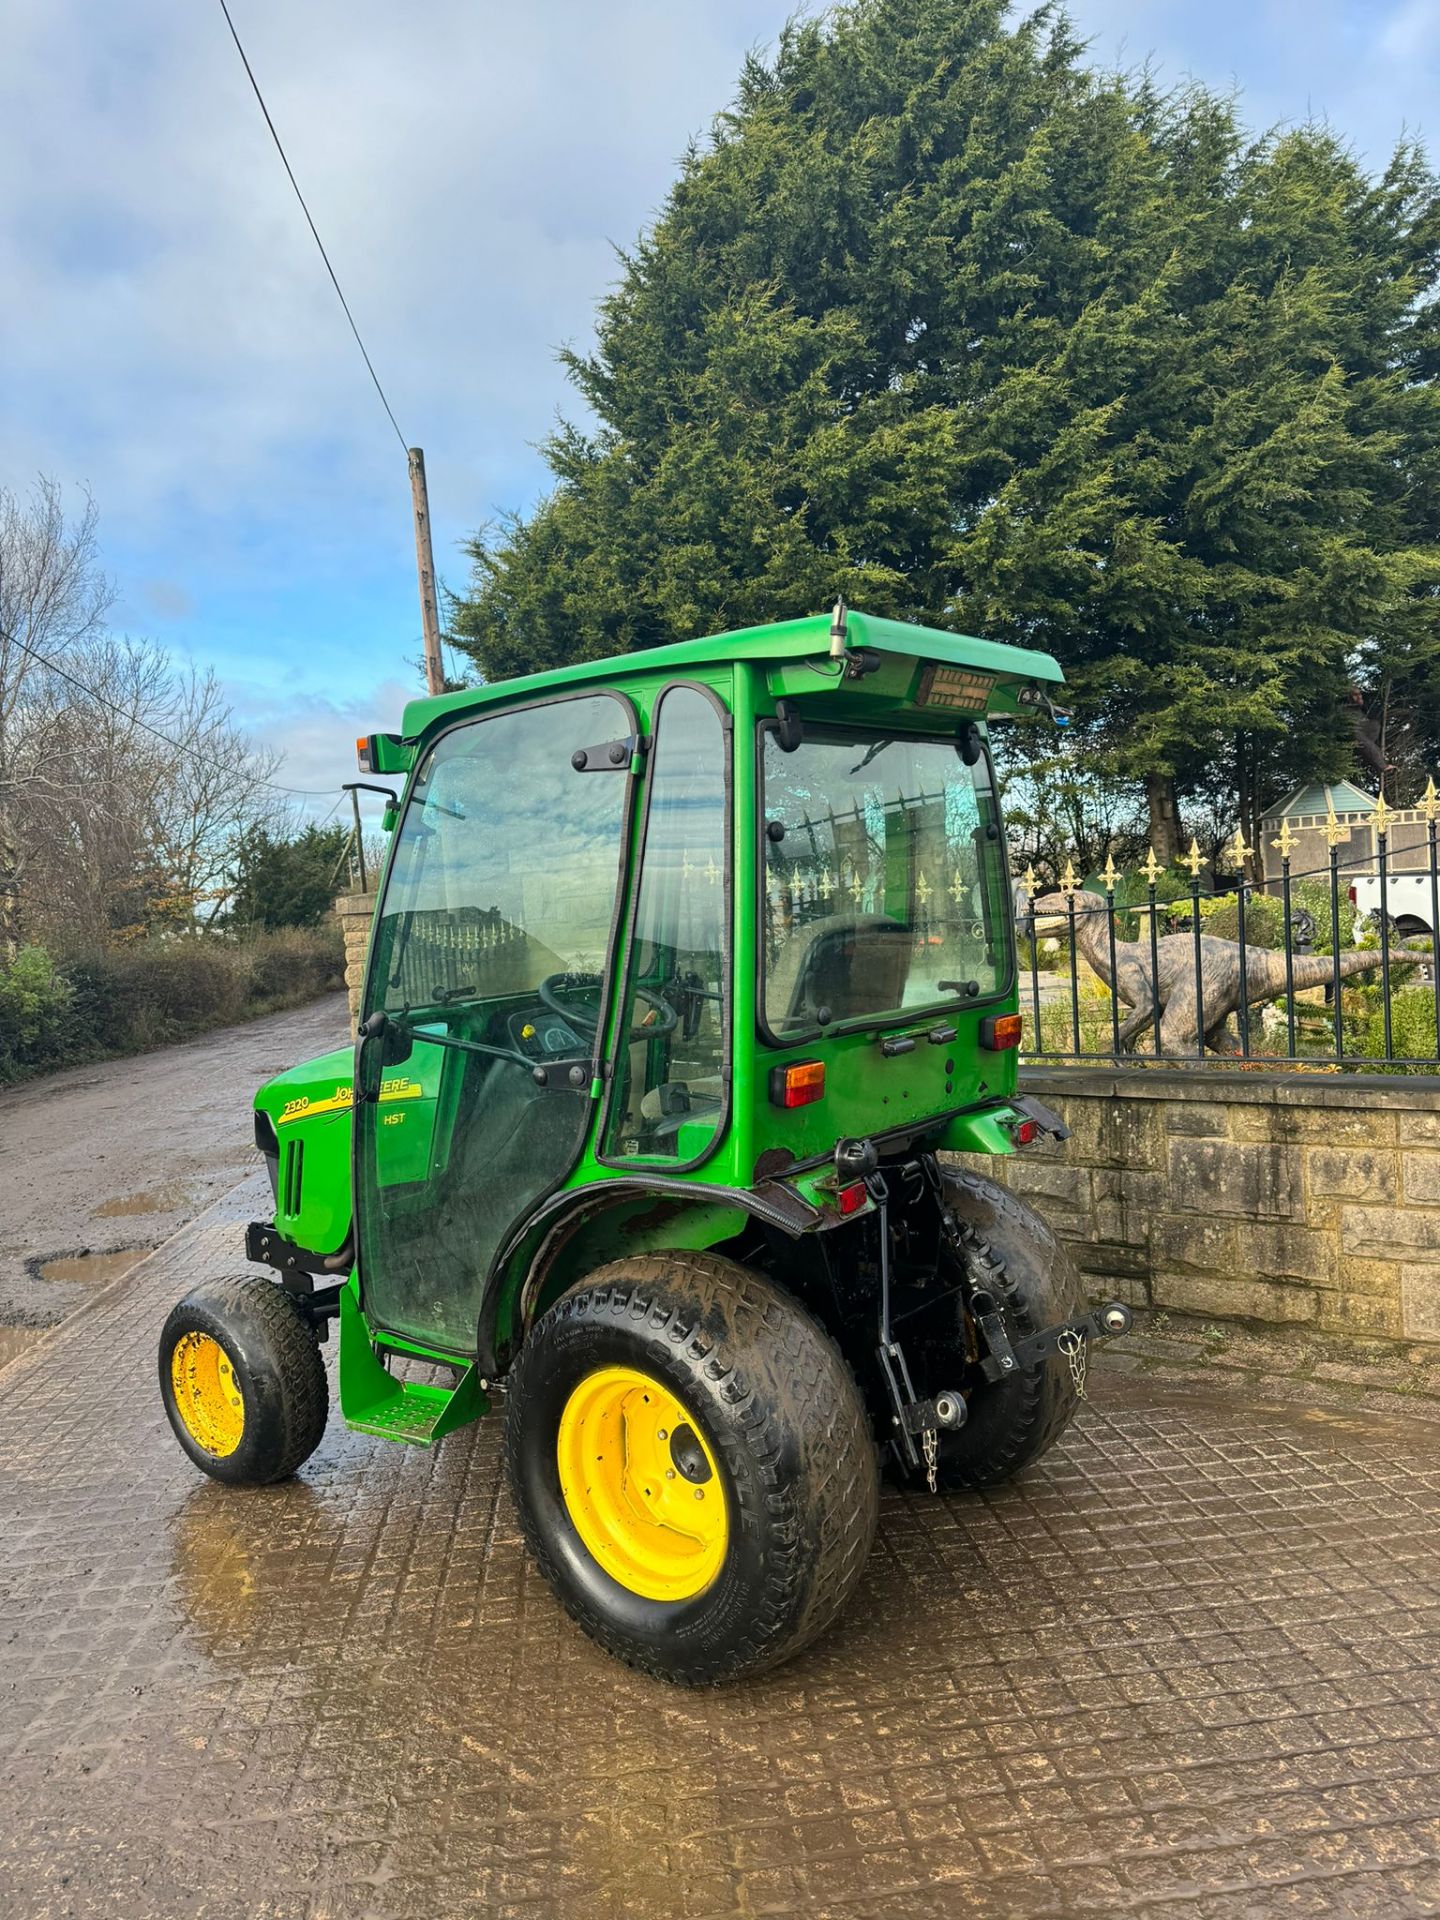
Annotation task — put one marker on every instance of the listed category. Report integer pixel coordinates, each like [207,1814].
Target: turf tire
[276,1360]
[784,1418]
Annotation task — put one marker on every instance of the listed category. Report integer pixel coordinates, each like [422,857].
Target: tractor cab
[686,970]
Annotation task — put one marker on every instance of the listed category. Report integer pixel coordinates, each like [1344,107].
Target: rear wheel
[242,1381]
[692,1464]
[1010,1422]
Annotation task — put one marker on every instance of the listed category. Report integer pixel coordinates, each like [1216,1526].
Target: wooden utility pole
[425,567]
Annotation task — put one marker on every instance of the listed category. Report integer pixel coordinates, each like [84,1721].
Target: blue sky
[168,338]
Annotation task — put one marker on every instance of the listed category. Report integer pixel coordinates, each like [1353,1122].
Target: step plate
[407,1416]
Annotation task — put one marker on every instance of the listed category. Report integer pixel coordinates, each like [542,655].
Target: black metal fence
[1111,973]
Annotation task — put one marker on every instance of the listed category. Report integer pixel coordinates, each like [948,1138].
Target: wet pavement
[1186,1667]
[100,1163]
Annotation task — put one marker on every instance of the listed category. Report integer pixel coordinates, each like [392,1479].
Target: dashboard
[541,1034]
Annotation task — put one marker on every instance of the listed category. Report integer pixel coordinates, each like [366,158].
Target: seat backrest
[850,963]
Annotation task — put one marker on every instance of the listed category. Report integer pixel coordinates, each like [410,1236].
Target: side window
[506,864]
[671,1077]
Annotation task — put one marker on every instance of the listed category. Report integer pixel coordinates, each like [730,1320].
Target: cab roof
[781,640]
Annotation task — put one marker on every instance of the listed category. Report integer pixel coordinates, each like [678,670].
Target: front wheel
[693,1467]
[242,1381]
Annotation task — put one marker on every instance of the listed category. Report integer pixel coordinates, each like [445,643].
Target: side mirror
[382,1043]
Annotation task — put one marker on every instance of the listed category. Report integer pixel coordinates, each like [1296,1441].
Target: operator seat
[851,963]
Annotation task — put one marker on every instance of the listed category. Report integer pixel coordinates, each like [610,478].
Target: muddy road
[98,1164]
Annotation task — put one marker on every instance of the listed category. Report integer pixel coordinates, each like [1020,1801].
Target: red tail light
[799,1084]
[1025,1133]
[850,1199]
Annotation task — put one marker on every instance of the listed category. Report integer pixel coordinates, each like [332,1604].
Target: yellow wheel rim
[207,1394]
[641,1485]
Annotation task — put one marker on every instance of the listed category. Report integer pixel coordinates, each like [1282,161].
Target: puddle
[17,1340]
[159,1200]
[91,1269]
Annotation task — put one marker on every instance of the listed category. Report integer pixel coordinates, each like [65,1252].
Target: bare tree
[53,598]
[212,792]
[146,793]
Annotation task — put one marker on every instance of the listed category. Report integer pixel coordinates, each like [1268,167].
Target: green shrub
[294,963]
[1412,1024]
[1264,919]
[34,1000]
[125,999]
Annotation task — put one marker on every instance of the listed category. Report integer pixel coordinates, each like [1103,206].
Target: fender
[539,1256]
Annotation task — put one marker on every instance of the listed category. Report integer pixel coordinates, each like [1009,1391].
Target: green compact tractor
[687,969]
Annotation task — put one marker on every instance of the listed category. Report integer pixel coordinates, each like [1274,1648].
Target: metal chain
[1075,1349]
[931,1448]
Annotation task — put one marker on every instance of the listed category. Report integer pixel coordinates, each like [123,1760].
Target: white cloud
[317,734]
[167,331]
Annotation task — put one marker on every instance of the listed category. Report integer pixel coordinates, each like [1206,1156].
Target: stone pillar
[354,912]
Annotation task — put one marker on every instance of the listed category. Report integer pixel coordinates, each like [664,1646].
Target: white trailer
[1408,902]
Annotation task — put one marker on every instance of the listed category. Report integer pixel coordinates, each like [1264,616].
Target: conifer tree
[944,320]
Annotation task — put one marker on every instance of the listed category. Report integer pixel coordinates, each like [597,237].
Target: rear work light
[799,1084]
[999,1032]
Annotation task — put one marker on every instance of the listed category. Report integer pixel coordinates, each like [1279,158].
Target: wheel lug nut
[669,1473]
[662,1434]
[699,1493]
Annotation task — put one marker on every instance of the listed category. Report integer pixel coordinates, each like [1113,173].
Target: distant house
[1309,811]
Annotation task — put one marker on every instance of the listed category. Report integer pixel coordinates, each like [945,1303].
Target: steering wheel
[665,1019]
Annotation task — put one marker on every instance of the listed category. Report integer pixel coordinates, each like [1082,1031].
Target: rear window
[884,880]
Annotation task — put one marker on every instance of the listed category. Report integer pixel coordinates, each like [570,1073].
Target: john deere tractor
[687,969]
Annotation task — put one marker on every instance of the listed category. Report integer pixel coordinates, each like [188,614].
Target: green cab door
[489,958]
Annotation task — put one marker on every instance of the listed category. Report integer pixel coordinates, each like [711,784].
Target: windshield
[884,879]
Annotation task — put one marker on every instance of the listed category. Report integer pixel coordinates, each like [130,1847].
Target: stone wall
[1287,1198]
[353,911]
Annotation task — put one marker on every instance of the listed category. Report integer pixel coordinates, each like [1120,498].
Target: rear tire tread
[796,1363]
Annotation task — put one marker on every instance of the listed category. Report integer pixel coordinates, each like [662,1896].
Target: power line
[255,84]
[177,746]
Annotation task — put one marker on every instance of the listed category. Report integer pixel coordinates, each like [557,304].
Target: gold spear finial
[1030,881]
[1430,800]
[1333,831]
[1239,852]
[1285,842]
[1380,818]
[1069,879]
[1111,876]
[1152,868]
[1193,860]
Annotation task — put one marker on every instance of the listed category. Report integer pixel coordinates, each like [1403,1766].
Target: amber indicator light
[1001,1031]
[798,1085]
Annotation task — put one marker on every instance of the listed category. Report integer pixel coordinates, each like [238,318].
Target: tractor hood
[321,1085]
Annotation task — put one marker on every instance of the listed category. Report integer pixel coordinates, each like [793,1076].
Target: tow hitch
[918,1423]
[1005,1357]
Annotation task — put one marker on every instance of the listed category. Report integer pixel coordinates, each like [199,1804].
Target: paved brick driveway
[1188,1668]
